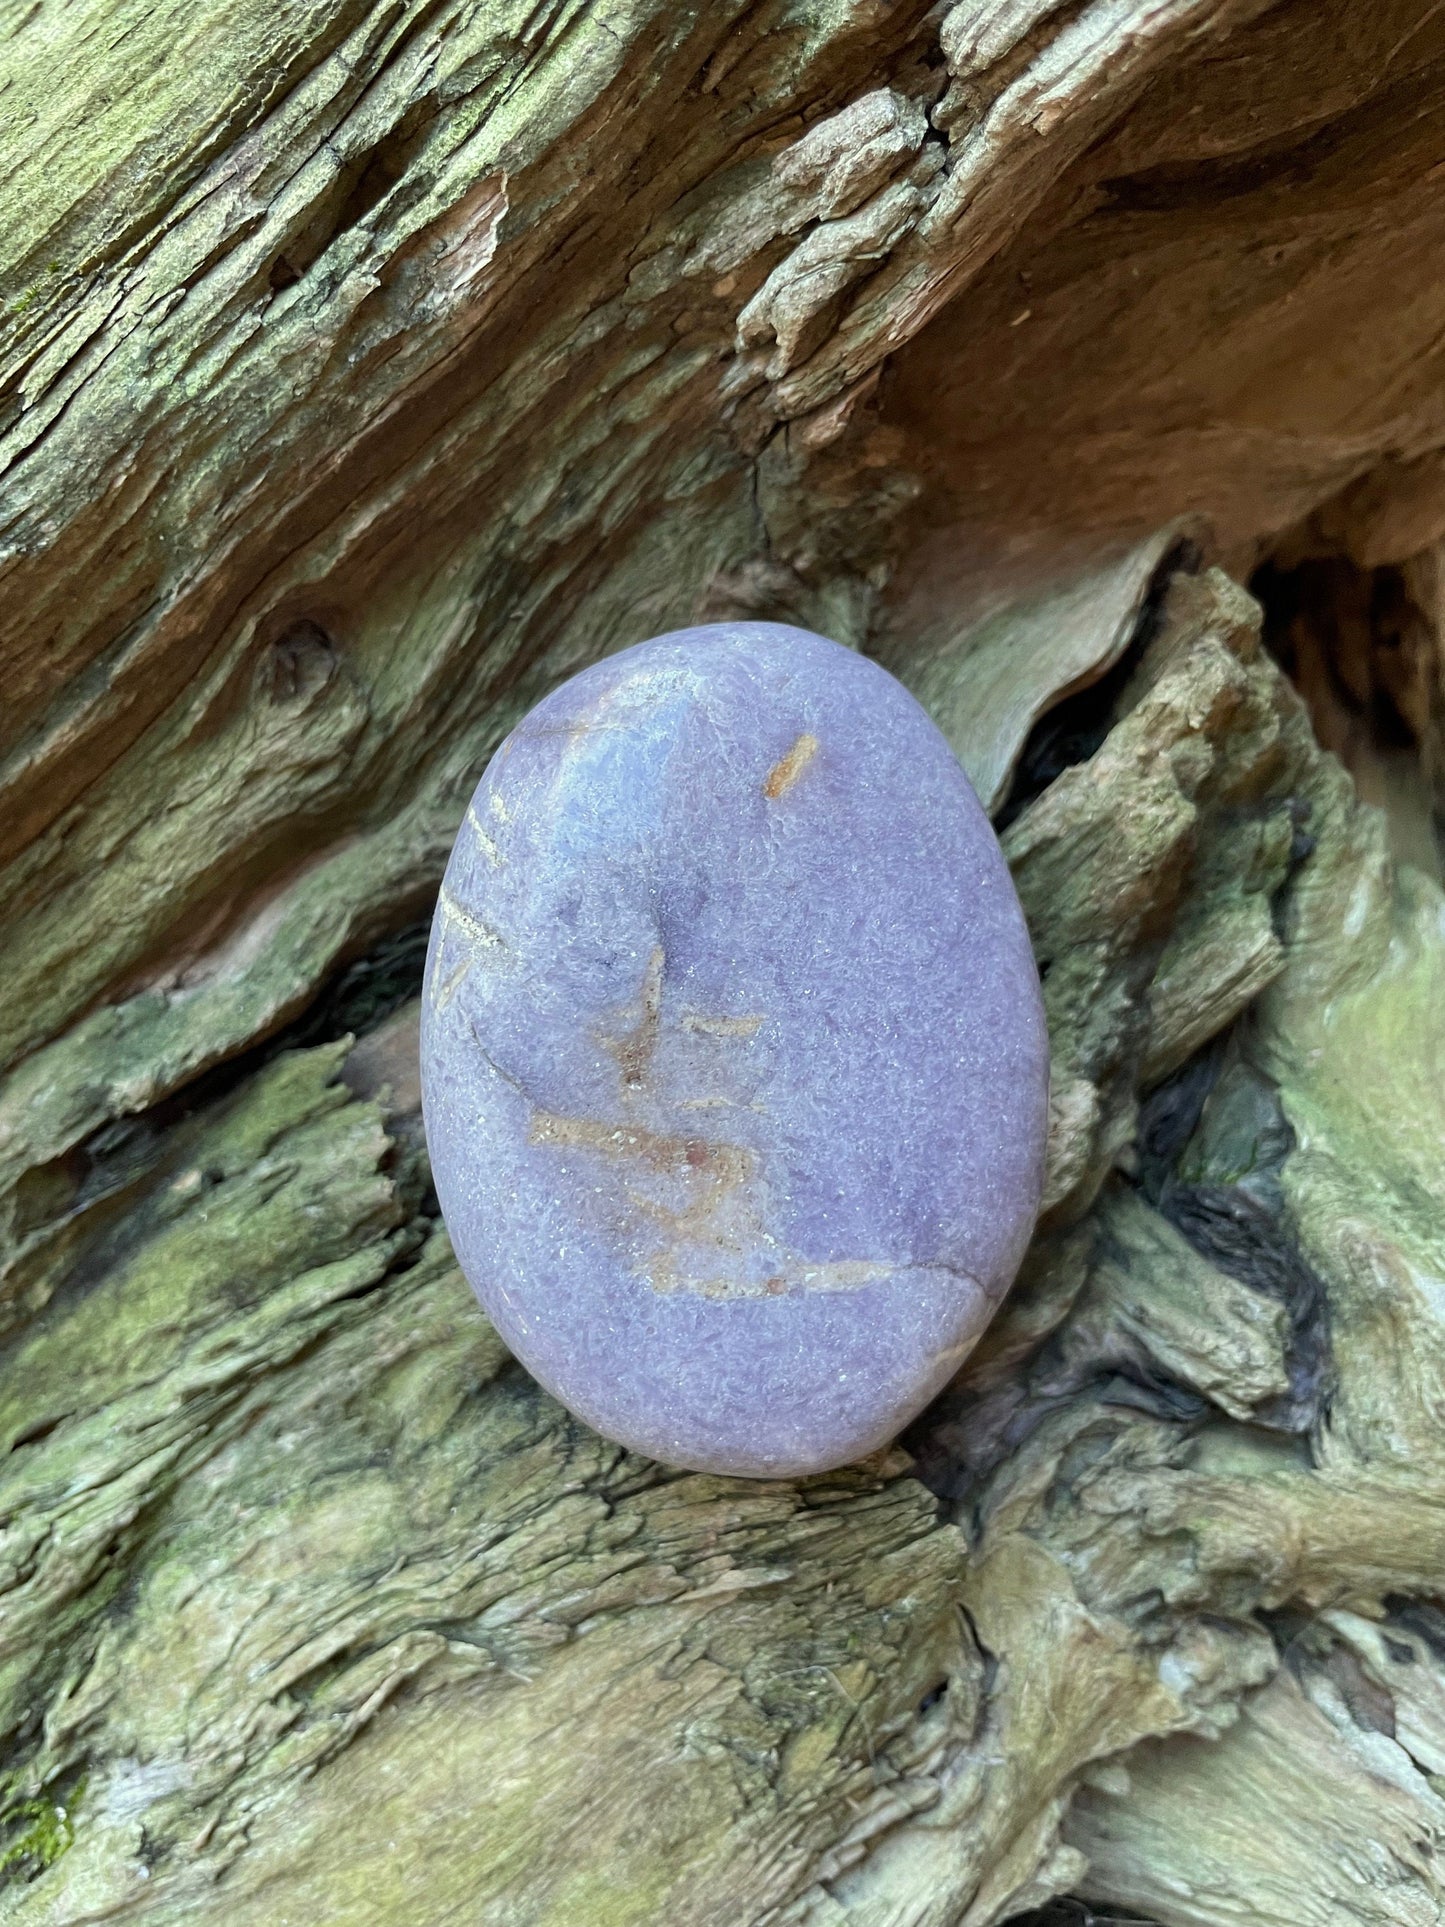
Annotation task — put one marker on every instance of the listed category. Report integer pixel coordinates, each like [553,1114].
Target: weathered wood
[364,369]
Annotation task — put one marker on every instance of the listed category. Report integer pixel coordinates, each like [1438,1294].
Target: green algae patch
[36,1833]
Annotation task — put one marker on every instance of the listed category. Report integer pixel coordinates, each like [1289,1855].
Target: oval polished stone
[733,1055]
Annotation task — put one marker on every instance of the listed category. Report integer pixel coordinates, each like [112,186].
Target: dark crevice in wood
[1243,1228]
[1421,1616]
[1074,729]
[361,186]
[365,993]
[1366,659]
[1237,1235]
[1279,165]
[1069,1912]
[1341,632]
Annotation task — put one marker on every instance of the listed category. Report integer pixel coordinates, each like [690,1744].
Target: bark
[367,367]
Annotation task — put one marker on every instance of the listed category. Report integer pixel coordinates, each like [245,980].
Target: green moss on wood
[36,1833]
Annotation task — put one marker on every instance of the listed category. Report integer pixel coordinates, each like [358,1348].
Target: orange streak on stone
[788,769]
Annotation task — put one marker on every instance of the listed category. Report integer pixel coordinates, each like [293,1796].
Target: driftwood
[365,368]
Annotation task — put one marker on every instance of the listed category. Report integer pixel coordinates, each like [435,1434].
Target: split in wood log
[363,370]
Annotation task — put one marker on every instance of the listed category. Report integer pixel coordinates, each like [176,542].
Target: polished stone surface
[733,1054]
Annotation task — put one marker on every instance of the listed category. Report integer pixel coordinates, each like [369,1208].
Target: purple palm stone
[733,1055]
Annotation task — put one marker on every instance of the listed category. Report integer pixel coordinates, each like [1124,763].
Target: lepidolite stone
[733,1055]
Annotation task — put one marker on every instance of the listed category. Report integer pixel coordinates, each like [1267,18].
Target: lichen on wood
[363,371]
